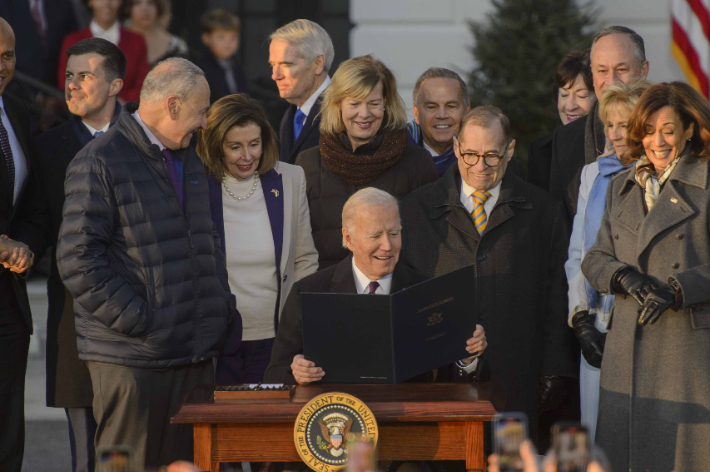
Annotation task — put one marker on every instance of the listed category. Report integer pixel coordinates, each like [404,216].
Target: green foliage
[321,443]
[516,51]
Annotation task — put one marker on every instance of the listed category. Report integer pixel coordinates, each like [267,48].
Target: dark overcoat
[307,138]
[654,404]
[520,290]
[327,193]
[52,152]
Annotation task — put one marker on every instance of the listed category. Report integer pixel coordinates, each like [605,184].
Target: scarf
[609,166]
[649,180]
[368,161]
[594,137]
[443,160]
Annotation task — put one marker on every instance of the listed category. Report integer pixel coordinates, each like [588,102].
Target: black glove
[629,280]
[590,338]
[658,301]
[552,392]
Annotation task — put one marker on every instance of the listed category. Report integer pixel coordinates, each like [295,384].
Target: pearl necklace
[245,197]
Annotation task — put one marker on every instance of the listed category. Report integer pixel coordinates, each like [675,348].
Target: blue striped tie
[479,213]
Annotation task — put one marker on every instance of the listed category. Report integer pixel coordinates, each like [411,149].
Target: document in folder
[390,338]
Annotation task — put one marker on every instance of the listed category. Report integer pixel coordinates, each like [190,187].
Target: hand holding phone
[570,442]
[509,431]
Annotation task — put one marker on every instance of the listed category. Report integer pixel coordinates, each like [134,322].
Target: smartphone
[114,459]
[571,445]
[509,431]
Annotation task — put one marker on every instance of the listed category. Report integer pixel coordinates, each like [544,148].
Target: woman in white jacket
[589,310]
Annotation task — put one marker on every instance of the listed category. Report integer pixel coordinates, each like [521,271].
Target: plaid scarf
[650,181]
[442,161]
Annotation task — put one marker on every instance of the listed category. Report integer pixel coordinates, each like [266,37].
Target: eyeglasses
[490,158]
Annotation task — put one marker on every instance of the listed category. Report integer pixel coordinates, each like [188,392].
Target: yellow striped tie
[479,213]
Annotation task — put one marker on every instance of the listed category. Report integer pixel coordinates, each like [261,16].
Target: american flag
[690,41]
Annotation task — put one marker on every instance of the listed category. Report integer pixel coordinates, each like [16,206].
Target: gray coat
[654,406]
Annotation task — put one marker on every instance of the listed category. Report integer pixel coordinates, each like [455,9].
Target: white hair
[312,38]
[369,196]
[173,76]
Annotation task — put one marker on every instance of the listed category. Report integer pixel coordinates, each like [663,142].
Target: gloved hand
[658,301]
[590,338]
[630,281]
[552,392]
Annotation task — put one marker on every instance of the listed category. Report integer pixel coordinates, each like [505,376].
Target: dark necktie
[7,151]
[298,119]
[174,176]
[372,288]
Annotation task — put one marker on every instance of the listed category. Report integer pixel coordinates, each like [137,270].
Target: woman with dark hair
[574,95]
[363,143]
[653,252]
[260,210]
[144,17]
[573,86]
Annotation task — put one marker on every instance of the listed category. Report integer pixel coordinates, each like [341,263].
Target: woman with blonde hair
[260,210]
[363,143]
[589,310]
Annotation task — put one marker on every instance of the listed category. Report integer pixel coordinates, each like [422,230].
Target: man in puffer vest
[138,252]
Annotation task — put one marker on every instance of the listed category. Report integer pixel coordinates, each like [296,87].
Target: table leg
[474,446]
[203,448]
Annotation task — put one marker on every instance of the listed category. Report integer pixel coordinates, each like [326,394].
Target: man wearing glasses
[480,213]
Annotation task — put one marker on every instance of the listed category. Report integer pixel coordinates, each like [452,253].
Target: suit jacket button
[284,278]
[616,236]
[481,258]
[679,236]
[675,265]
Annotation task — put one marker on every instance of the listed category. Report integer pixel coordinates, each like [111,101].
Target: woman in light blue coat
[589,310]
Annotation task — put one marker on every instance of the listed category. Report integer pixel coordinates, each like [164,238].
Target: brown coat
[327,194]
[654,404]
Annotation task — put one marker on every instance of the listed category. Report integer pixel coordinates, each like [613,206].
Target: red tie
[372,287]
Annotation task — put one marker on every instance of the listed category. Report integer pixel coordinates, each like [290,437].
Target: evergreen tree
[516,51]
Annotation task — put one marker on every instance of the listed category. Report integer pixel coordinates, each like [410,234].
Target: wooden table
[416,422]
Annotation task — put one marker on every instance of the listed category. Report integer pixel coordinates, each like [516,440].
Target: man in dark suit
[480,213]
[300,55]
[94,78]
[372,231]
[618,55]
[15,316]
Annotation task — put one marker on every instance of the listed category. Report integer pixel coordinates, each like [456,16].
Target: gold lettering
[435,304]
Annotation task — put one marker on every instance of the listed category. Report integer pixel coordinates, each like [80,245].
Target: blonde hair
[223,115]
[620,95]
[310,36]
[356,78]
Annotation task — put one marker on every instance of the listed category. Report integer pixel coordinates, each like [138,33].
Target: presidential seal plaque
[327,424]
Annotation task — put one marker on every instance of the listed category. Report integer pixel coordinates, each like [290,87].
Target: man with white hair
[300,56]
[138,252]
[372,231]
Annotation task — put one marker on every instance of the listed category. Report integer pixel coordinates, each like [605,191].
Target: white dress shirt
[112,35]
[362,282]
[18,156]
[93,130]
[308,104]
[151,136]
[467,200]
[430,149]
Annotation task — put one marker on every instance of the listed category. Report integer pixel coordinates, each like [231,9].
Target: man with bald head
[138,253]
[617,55]
[15,316]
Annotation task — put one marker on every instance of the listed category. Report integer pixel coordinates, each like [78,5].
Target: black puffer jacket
[149,281]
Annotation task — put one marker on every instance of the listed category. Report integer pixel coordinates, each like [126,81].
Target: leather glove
[590,338]
[552,392]
[658,301]
[630,281]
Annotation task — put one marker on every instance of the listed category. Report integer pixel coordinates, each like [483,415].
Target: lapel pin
[674,200]
[275,192]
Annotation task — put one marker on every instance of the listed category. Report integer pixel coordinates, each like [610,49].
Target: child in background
[220,35]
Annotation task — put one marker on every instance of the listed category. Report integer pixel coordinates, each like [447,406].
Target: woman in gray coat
[653,251]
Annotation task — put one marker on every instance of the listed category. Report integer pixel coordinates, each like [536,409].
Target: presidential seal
[327,424]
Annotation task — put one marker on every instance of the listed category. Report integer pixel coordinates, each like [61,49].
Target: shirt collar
[467,190]
[428,148]
[362,281]
[2,104]
[308,104]
[151,136]
[93,130]
[113,34]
